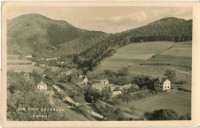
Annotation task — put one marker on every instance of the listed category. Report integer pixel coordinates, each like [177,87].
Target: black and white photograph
[99,63]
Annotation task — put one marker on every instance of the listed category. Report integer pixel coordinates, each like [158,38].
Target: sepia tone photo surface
[98,62]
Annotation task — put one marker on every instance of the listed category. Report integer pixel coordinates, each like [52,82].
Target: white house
[42,86]
[163,84]
[84,80]
[166,85]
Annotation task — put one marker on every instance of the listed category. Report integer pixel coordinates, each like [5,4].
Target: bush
[165,114]
[171,74]
[181,82]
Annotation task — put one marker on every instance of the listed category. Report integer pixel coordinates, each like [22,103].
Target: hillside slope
[33,32]
[166,29]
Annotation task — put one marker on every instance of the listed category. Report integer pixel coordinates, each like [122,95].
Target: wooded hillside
[166,29]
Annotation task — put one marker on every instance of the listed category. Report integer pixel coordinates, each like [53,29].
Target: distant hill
[166,29]
[33,32]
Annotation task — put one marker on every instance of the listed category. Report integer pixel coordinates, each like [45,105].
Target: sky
[107,19]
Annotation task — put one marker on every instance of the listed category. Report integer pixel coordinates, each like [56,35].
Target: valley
[93,75]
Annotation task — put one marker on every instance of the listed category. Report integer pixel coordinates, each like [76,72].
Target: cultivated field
[17,63]
[153,59]
[179,101]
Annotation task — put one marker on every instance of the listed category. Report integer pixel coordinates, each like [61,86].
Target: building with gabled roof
[162,83]
[42,86]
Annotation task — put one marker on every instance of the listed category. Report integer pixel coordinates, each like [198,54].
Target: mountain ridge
[33,32]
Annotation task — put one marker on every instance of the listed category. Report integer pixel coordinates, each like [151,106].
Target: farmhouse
[42,86]
[163,84]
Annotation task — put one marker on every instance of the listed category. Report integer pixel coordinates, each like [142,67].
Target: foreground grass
[179,101]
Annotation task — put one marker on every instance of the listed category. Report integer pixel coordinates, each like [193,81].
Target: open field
[178,55]
[180,49]
[142,51]
[18,64]
[179,101]
[153,59]
[18,61]
[134,54]
[24,68]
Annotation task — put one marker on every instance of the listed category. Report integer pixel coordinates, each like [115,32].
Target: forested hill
[36,33]
[166,29]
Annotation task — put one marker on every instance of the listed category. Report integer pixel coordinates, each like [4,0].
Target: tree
[143,82]
[73,78]
[122,80]
[106,93]
[171,74]
[123,72]
[162,114]
[92,94]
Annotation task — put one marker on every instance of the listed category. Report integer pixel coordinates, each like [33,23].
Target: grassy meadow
[17,63]
[179,101]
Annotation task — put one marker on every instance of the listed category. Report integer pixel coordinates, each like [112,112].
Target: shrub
[165,114]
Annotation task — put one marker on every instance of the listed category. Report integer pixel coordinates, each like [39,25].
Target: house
[104,81]
[101,84]
[127,86]
[115,93]
[42,86]
[84,80]
[98,86]
[163,84]
[166,85]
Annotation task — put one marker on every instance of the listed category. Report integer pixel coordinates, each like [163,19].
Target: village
[88,93]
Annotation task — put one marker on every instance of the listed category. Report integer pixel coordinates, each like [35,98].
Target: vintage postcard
[100,64]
